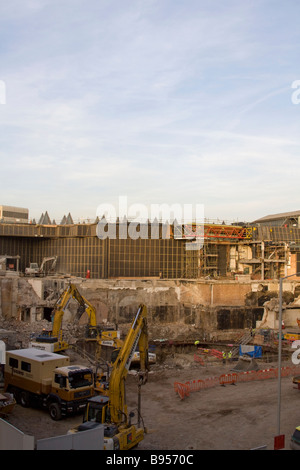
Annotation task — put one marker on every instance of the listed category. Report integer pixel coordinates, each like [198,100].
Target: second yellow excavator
[111,410]
[52,341]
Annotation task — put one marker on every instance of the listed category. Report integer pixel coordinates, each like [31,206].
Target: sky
[156,101]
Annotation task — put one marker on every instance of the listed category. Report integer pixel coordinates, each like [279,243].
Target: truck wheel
[24,399]
[16,393]
[55,411]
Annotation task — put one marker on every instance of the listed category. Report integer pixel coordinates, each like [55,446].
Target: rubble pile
[21,333]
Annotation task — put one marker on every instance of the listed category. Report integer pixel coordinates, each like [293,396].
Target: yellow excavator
[111,410]
[53,340]
[113,345]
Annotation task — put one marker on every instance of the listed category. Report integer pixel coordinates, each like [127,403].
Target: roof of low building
[281,215]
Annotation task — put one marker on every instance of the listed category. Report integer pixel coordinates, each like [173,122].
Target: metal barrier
[185,389]
[247,376]
[198,359]
[207,352]
[181,389]
[226,379]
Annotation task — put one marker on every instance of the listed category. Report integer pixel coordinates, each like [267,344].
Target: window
[18,215]
[61,380]
[80,379]
[26,366]
[13,362]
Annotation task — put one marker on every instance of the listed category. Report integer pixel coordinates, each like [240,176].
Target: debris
[245,364]
[7,403]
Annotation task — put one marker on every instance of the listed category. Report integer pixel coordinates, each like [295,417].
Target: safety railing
[184,389]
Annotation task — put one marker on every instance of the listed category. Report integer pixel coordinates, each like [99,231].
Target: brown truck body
[35,375]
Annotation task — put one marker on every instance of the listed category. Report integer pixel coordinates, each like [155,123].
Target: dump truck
[48,379]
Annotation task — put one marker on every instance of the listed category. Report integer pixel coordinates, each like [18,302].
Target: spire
[69,220]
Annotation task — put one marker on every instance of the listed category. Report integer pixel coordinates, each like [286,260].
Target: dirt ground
[234,417]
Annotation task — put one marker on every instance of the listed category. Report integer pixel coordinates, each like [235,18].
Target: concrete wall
[92,439]
[8,297]
[13,439]
[293,265]
[177,309]
[181,307]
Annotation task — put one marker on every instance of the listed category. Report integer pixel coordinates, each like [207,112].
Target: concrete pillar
[33,316]
[14,298]
[262,261]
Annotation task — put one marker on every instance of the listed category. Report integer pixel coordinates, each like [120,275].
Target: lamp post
[279,348]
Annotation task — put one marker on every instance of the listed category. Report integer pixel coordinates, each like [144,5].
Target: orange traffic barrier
[228,379]
[181,389]
[232,378]
[211,382]
[267,374]
[247,376]
[198,359]
[208,352]
[194,385]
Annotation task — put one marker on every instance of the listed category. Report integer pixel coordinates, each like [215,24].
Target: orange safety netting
[185,389]
[207,352]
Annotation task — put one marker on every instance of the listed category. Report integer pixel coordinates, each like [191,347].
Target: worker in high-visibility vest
[229,355]
[196,343]
[224,357]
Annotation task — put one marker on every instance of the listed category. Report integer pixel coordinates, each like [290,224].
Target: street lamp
[279,348]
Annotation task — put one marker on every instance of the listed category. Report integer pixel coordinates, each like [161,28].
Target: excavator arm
[54,338]
[46,260]
[110,409]
[59,311]
[137,335]
[84,306]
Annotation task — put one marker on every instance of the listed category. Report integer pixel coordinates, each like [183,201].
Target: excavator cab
[96,413]
[91,332]
[46,337]
[97,410]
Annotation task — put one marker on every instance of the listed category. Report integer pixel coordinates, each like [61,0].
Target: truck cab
[71,386]
[71,378]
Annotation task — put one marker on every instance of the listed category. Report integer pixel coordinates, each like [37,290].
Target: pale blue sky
[162,101]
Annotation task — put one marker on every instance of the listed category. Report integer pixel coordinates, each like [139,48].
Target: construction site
[212,323]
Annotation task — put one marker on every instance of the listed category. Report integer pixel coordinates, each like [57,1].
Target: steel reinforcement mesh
[79,249]
[109,258]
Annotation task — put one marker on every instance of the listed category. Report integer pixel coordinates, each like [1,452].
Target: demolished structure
[207,289]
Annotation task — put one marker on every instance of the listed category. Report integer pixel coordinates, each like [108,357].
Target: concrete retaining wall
[179,306]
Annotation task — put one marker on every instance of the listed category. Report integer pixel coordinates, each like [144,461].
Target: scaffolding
[269,259]
[212,231]
[209,260]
